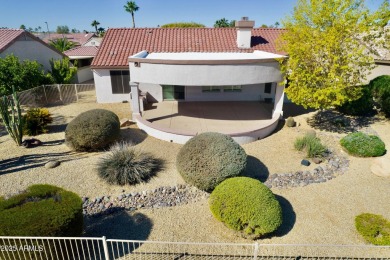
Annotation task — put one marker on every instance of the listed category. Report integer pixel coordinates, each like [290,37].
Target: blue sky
[110,13]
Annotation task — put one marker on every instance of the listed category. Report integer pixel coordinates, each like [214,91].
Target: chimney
[244,32]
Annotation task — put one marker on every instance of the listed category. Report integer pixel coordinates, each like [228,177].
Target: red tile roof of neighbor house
[89,51]
[120,43]
[78,38]
[9,36]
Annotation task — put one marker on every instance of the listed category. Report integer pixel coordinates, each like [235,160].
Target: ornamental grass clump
[93,130]
[42,210]
[125,165]
[209,158]
[246,205]
[311,144]
[362,145]
[375,229]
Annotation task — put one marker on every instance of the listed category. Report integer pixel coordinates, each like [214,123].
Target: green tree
[61,71]
[329,43]
[62,29]
[101,31]
[23,75]
[131,7]
[224,23]
[183,25]
[23,27]
[95,24]
[62,44]
[74,30]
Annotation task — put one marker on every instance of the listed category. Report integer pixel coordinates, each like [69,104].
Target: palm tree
[95,24]
[131,7]
[62,44]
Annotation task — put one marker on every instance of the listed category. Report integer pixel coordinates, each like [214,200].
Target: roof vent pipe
[244,32]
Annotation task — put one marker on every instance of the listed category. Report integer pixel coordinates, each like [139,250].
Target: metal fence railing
[39,248]
[47,95]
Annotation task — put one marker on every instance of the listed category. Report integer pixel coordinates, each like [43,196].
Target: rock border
[157,198]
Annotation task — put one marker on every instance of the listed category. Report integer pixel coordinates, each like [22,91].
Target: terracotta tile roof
[82,51]
[9,36]
[120,43]
[79,38]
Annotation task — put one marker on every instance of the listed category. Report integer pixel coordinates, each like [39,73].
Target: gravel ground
[319,213]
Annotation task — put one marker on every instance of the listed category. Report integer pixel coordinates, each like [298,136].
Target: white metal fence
[42,248]
[57,94]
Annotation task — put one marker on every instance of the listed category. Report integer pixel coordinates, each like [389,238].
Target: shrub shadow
[120,225]
[289,218]
[133,135]
[30,161]
[336,122]
[291,109]
[255,169]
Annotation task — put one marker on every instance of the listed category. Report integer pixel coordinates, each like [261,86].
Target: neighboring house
[82,57]
[382,65]
[26,46]
[78,38]
[190,64]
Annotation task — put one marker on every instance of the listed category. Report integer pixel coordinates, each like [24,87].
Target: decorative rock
[125,122]
[305,162]
[316,160]
[52,164]
[381,166]
[311,132]
[30,143]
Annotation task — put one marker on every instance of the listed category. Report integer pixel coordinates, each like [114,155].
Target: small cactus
[290,122]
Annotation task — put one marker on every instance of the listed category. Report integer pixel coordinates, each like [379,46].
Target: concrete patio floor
[224,117]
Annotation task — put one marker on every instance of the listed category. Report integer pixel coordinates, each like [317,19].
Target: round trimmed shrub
[381,91]
[246,205]
[93,130]
[42,210]
[125,165]
[374,228]
[360,107]
[363,145]
[209,158]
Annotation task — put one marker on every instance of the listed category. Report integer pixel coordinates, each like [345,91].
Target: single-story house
[26,46]
[78,38]
[82,56]
[187,65]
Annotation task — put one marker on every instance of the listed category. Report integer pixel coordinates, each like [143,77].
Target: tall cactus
[12,117]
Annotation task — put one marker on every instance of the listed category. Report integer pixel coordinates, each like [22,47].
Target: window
[267,88]
[211,89]
[232,89]
[120,81]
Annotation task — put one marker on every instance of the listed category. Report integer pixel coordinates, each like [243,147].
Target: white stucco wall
[253,92]
[27,48]
[103,88]
[205,75]
[379,71]
[84,74]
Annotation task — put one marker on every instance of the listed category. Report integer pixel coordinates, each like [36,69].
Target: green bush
[374,228]
[209,158]
[35,121]
[381,91]
[125,165]
[42,210]
[93,130]
[363,145]
[360,107]
[246,205]
[311,144]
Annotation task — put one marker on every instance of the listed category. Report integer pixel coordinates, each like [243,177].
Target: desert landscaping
[320,212]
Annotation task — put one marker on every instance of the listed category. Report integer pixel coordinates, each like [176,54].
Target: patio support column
[134,98]
[279,99]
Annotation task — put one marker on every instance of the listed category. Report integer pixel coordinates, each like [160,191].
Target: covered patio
[174,121]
